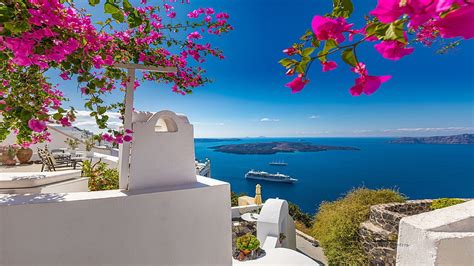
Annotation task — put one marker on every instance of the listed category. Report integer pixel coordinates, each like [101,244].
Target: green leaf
[395,32]
[370,29]
[134,19]
[301,66]
[5,13]
[287,62]
[328,45]
[118,16]
[127,6]
[349,57]
[342,8]
[307,35]
[94,2]
[57,116]
[111,8]
[308,51]
[101,110]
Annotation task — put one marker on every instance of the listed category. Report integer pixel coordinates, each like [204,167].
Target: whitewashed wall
[180,225]
[440,237]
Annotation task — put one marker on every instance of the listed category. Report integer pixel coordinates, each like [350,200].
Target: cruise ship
[278,163]
[260,175]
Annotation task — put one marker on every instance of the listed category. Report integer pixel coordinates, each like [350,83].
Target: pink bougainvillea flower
[65,75]
[419,11]
[194,35]
[171,14]
[368,84]
[388,11]
[360,69]
[37,125]
[127,138]
[65,122]
[457,23]
[329,65]
[290,51]
[393,50]
[330,28]
[297,84]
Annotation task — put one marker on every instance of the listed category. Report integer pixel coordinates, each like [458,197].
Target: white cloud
[314,117]
[208,123]
[85,121]
[266,119]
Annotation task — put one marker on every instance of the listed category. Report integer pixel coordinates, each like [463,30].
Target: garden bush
[100,176]
[298,215]
[444,202]
[336,224]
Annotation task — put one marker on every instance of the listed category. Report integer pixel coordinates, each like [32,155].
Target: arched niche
[166,124]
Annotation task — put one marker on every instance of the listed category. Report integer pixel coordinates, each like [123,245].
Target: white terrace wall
[440,237]
[162,150]
[175,226]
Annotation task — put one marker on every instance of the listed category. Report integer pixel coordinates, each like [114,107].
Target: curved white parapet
[162,151]
[275,221]
[440,237]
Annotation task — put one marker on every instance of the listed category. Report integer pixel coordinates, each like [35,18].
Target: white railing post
[124,151]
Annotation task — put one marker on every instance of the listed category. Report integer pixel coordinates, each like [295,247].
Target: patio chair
[51,163]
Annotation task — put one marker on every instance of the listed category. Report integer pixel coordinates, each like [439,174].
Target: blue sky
[429,94]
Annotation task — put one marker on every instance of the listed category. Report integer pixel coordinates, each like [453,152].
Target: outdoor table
[250,217]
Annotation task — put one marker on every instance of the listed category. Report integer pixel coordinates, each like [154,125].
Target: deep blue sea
[417,170]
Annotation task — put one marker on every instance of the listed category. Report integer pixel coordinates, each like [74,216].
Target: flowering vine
[392,26]
[39,35]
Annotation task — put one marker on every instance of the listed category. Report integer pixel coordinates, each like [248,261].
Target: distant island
[454,139]
[207,140]
[275,147]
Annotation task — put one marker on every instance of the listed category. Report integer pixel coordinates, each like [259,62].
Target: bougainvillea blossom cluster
[392,27]
[40,35]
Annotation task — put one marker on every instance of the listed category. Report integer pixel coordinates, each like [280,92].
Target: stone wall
[378,235]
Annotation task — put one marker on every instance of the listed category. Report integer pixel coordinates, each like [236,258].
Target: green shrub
[100,176]
[336,224]
[445,202]
[247,242]
[234,198]
[298,215]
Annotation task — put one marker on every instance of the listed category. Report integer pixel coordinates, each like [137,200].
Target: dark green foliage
[298,215]
[234,198]
[336,224]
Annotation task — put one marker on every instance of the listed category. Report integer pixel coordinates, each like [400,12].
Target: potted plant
[24,155]
[247,244]
[11,152]
[3,154]
[73,145]
[89,143]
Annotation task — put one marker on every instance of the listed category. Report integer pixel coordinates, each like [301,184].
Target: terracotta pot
[24,155]
[10,162]
[4,157]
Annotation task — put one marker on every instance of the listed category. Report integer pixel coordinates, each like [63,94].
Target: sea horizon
[417,171]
